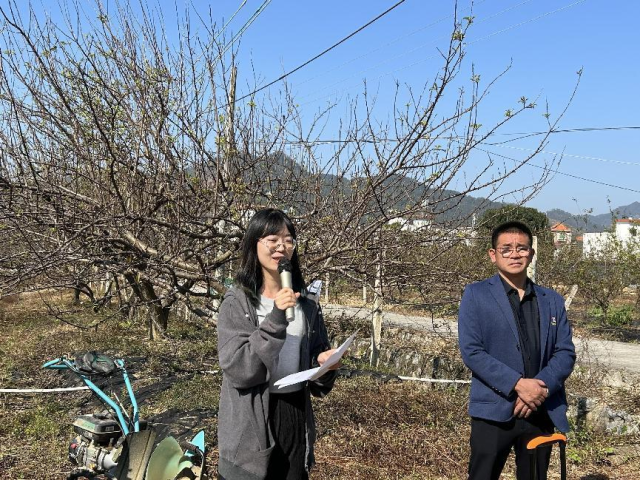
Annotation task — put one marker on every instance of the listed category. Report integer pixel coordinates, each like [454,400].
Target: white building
[592,243]
[413,222]
[627,230]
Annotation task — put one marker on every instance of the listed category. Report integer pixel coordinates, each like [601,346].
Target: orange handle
[545,440]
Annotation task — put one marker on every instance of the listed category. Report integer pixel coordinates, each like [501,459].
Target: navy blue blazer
[488,337]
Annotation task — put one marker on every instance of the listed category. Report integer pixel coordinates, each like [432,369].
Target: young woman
[263,431]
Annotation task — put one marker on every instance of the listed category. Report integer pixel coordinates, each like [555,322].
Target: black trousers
[491,443]
[287,417]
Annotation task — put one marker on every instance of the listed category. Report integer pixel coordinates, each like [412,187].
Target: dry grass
[172,378]
[370,429]
[367,428]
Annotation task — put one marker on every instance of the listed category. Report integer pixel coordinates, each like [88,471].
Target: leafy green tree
[535,219]
[537,222]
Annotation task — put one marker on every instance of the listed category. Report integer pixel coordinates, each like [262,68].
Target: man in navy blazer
[515,338]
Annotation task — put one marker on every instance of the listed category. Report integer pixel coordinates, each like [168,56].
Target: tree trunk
[531,270]
[76,296]
[376,331]
[158,321]
[158,313]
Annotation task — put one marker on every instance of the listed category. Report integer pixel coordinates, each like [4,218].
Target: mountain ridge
[588,222]
[452,206]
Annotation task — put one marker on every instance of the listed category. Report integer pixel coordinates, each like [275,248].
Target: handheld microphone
[284,269]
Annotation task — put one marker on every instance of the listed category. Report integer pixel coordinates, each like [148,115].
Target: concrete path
[613,355]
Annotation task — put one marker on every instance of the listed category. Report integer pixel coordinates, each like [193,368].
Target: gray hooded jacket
[248,354]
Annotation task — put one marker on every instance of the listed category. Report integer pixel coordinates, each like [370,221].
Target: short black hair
[510,227]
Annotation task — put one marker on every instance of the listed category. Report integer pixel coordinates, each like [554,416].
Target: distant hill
[593,223]
[447,205]
[582,223]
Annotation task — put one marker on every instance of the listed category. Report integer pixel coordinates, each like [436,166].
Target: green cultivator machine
[115,443]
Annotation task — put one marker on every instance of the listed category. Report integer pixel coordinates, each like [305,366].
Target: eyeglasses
[521,251]
[272,244]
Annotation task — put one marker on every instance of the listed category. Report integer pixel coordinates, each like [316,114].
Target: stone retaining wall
[414,353]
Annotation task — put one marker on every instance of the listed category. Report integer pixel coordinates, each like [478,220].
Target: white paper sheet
[317,372]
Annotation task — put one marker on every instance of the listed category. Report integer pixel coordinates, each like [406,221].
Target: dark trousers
[491,443]
[287,417]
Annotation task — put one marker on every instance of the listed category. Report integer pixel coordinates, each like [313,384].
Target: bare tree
[106,165]
[603,275]
[123,156]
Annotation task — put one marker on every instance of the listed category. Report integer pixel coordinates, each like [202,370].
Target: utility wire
[599,159]
[388,44]
[244,2]
[546,14]
[282,77]
[566,130]
[538,17]
[619,187]
[253,17]
[587,129]
[405,53]
[497,144]
[562,173]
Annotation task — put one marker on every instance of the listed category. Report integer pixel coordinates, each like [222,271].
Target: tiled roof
[560,227]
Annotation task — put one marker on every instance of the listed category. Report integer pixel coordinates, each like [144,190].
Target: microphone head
[284,265]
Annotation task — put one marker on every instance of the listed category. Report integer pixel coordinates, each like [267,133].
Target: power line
[222,30]
[418,48]
[592,129]
[497,144]
[619,187]
[253,17]
[282,77]
[299,142]
[526,21]
[566,130]
[392,42]
[538,17]
[619,162]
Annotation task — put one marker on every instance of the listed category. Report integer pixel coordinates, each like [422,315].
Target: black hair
[268,221]
[510,227]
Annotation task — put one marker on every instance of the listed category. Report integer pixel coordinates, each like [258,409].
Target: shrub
[618,316]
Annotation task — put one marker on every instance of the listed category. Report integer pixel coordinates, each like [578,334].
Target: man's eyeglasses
[507,251]
[272,244]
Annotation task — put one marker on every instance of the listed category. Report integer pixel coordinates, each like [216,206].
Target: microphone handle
[286,280]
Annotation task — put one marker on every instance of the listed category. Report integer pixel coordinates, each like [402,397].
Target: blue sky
[545,41]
